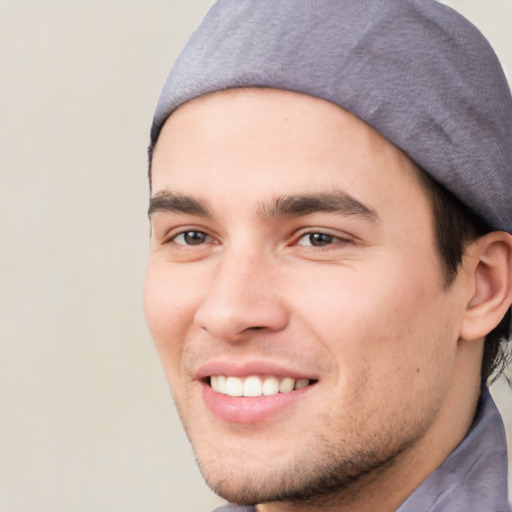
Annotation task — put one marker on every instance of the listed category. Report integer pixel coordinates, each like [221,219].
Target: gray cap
[415,70]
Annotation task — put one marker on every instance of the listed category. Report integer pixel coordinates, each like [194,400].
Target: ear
[488,265]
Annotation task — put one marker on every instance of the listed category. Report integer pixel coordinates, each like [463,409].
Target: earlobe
[489,267]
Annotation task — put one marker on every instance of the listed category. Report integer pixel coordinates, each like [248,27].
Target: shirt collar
[474,476]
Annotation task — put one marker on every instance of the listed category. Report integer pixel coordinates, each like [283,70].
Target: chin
[315,476]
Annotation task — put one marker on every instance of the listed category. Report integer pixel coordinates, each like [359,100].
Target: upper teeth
[255,386]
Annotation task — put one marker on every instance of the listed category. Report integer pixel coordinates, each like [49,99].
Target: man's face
[293,246]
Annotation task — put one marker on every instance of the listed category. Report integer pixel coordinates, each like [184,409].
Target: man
[330,268]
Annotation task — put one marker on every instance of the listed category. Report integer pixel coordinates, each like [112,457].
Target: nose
[242,298]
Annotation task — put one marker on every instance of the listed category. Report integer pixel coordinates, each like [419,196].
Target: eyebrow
[333,202]
[167,201]
[283,206]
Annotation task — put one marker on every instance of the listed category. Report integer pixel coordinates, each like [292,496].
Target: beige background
[86,419]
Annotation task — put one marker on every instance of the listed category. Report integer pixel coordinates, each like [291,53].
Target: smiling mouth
[255,386]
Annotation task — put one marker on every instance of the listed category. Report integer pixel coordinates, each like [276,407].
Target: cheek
[389,346]
[169,306]
[386,323]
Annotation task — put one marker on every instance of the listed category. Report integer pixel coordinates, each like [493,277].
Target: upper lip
[245,369]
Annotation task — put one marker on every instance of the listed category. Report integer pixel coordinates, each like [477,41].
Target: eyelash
[321,239]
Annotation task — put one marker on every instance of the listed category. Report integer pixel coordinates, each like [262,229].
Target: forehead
[273,142]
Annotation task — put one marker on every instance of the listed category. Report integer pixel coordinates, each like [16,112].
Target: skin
[365,313]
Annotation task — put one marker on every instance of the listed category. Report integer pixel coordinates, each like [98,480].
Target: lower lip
[249,409]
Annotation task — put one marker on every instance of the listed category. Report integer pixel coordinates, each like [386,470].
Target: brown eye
[317,239]
[191,238]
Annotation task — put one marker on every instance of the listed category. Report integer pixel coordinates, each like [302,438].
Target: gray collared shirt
[472,479]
